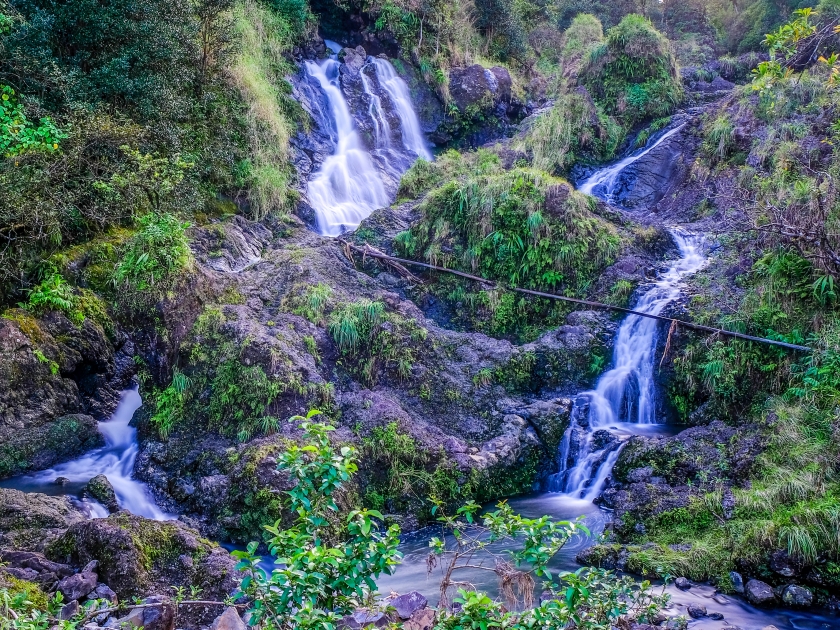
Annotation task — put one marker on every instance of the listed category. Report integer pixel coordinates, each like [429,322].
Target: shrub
[154,256]
[633,74]
[19,135]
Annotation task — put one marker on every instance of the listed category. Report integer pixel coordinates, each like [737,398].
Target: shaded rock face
[138,556]
[31,521]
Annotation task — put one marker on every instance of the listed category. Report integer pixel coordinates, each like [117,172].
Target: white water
[603,181]
[625,394]
[115,460]
[349,186]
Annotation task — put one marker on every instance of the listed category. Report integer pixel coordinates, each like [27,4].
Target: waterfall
[347,188]
[625,393]
[115,460]
[604,180]
[351,183]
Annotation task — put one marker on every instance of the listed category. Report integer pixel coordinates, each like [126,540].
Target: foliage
[326,566]
[155,254]
[18,134]
[372,340]
[633,74]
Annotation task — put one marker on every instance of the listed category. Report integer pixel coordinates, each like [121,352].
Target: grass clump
[154,256]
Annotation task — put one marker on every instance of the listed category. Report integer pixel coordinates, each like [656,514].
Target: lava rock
[103,591]
[228,620]
[737,582]
[406,605]
[759,593]
[695,611]
[796,596]
[77,586]
[160,617]
[716,616]
[364,619]
[783,564]
[423,619]
[472,87]
[61,481]
[29,520]
[683,583]
[101,489]
[70,610]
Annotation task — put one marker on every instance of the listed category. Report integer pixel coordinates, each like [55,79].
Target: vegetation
[326,564]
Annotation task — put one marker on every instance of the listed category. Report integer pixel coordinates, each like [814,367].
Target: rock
[29,520]
[354,59]
[103,591]
[160,617]
[716,616]
[228,620]
[759,593]
[101,489]
[769,628]
[36,562]
[364,619]
[406,605]
[682,583]
[737,582]
[421,620]
[22,574]
[472,87]
[91,567]
[77,586]
[796,596]
[61,481]
[137,556]
[783,564]
[696,611]
[70,610]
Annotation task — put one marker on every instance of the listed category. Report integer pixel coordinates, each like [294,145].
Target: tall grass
[264,40]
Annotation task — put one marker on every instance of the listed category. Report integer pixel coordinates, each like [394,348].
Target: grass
[272,116]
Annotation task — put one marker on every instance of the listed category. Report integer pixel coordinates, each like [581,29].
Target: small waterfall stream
[115,460]
[350,185]
[625,394]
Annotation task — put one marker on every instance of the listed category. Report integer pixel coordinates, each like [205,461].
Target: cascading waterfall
[115,460]
[349,184]
[347,188]
[603,181]
[625,394]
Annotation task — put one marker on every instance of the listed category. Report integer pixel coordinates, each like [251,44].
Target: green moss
[29,596]
[26,322]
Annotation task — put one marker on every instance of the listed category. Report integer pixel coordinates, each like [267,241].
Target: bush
[154,256]
[633,74]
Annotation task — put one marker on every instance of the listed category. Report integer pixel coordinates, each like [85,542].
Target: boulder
[157,617]
[423,619]
[77,586]
[228,620]
[29,520]
[138,556]
[69,610]
[354,59]
[406,605]
[471,87]
[364,619]
[101,489]
[696,611]
[34,563]
[682,583]
[103,591]
[759,593]
[796,596]
[785,565]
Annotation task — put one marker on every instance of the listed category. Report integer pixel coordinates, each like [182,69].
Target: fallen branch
[369,251]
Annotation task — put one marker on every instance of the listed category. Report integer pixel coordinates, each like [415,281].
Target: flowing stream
[115,460]
[350,185]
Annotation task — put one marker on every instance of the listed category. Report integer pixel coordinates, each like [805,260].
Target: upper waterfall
[360,176]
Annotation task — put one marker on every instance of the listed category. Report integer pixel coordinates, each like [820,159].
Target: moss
[29,592]
[26,322]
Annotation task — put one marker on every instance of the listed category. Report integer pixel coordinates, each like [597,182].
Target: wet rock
[759,593]
[61,481]
[406,605]
[696,611]
[683,583]
[136,555]
[796,596]
[160,617]
[716,616]
[77,586]
[228,620]
[737,582]
[472,87]
[353,59]
[29,520]
[421,620]
[69,610]
[101,489]
[783,564]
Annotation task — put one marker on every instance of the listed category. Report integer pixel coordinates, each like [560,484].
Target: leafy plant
[153,256]
[55,293]
[17,134]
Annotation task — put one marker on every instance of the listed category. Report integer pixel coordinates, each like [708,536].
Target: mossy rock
[138,556]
